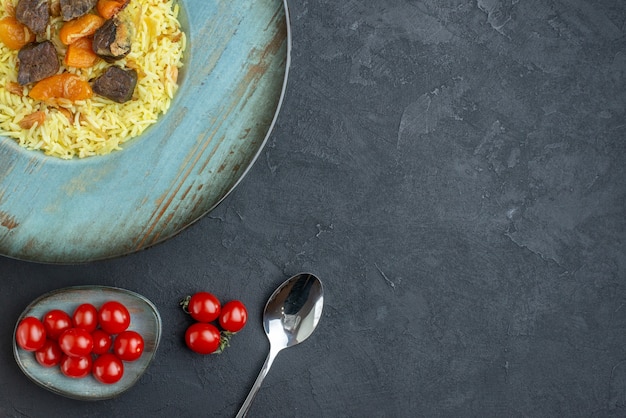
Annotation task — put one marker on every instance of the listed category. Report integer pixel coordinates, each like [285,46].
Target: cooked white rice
[98,126]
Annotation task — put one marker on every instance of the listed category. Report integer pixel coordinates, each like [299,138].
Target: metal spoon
[290,317]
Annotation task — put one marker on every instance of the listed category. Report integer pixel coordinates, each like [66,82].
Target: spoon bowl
[290,316]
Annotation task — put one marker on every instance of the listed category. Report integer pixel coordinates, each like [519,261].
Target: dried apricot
[14,34]
[79,54]
[109,8]
[79,28]
[61,86]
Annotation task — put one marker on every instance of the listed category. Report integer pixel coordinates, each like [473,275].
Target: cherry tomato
[50,354]
[55,322]
[114,317]
[128,345]
[234,316]
[85,317]
[76,342]
[30,334]
[107,368]
[202,338]
[101,342]
[204,307]
[76,367]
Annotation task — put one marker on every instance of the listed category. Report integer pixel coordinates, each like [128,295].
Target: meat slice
[33,13]
[116,84]
[36,61]
[71,9]
[112,40]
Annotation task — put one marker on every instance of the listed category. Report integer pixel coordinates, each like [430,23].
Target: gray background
[454,172]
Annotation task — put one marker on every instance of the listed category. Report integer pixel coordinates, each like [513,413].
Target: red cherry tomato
[204,307]
[202,338]
[76,342]
[107,368]
[234,316]
[101,342]
[114,317]
[76,367]
[85,317]
[128,345]
[50,354]
[55,322]
[30,334]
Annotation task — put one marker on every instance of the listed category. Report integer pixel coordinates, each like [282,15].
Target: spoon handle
[257,383]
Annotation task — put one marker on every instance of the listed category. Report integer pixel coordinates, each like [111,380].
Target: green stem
[224,341]
[185,304]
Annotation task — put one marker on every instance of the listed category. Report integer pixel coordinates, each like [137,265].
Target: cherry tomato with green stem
[202,338]
[203,307]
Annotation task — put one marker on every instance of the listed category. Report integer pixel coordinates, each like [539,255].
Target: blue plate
[231,88]
[145,320]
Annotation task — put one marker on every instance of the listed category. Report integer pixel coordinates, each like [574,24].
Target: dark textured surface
[454,172]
